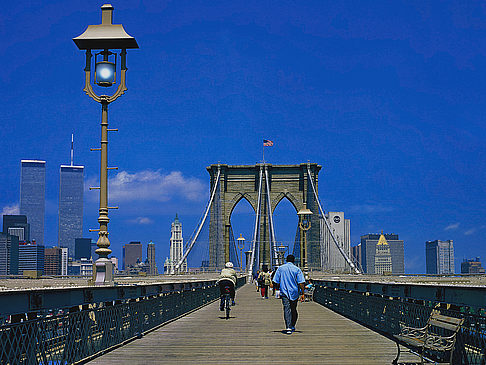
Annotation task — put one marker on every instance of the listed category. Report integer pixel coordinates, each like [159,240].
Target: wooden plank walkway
[253,335]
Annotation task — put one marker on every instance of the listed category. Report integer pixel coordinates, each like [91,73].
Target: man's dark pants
[290,311]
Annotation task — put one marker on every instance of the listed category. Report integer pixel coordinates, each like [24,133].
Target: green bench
[430,337]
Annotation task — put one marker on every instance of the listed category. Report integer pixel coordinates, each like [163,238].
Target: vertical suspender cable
[348,260]
[196,235]
[273,242]
[257,223]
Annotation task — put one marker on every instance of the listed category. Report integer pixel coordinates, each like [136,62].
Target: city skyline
[390,103]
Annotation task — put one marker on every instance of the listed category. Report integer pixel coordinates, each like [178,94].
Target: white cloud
[141,220]
[11,209]
[452,226]
[470,231]
[370,208]
[150,185]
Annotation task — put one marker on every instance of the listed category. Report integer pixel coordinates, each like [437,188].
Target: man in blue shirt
[289,279]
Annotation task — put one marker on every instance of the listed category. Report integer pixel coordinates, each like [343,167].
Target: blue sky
[387,96]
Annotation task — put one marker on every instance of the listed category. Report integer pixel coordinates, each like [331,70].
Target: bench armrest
[412,331]
[439,343]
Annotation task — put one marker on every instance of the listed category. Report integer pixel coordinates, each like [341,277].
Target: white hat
[229,264]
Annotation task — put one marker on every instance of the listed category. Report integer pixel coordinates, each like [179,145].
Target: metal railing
[383,307]
[86,322]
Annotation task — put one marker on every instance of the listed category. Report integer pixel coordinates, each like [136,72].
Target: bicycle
[226,298]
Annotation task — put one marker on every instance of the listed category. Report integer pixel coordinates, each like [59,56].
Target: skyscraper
[132,254]
[332,258]
[32,196]
[71,188]
[9,254]
[82,248]
[368,252]
[152,267]
[383,259]
[439,257]
[472,266]
[176,249]
[31,257]
[53,261]
[17,225]
[356,255]
[64,261]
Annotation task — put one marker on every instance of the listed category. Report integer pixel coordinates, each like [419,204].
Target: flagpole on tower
[263,151]
[266,143]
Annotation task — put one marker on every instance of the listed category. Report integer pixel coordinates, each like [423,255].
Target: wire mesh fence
[384,313]
[78,333]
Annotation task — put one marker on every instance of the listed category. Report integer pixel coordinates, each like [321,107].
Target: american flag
[267,143]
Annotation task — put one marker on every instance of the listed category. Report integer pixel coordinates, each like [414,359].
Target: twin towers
[264,186]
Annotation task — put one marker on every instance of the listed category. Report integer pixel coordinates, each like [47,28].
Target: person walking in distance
[255,280]
[265,280]
[289,279]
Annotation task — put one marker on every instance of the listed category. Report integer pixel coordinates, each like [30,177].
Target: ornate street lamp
[105,37]
[304,224]
[241,246]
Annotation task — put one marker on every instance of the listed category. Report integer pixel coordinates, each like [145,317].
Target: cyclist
[227,278]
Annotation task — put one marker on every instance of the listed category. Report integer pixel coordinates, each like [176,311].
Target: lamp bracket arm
[88,89]
[121,88]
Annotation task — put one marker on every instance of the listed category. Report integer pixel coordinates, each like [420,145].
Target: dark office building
[472,266]
[53,261]
[368,251]
[9,254]
[94,255]
[71,187]
[32,196]
[439,257]
[152,267]
[82,248]
[17,225]
[132,254]
[31,257]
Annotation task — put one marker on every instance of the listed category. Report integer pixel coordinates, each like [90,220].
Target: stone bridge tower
[242,182]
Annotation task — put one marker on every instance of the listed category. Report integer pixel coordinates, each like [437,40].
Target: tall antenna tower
[72,149]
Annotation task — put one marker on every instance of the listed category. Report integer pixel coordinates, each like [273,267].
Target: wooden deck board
[253,336]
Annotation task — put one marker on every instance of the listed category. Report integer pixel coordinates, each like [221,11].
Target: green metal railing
[88,321]
[383,307]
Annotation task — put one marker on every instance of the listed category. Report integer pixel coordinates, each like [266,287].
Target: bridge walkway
[253,335]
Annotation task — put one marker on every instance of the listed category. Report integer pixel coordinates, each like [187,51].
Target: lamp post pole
[104,37]
[304,225]
[103,242]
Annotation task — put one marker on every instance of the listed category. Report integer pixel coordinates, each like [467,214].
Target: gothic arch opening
[285,221]
[242,220]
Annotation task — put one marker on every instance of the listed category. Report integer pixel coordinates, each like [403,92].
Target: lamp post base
[102,272]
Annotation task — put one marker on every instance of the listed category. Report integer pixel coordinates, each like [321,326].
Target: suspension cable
[257,223]
[273,243]
[348,260]
[202,221]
